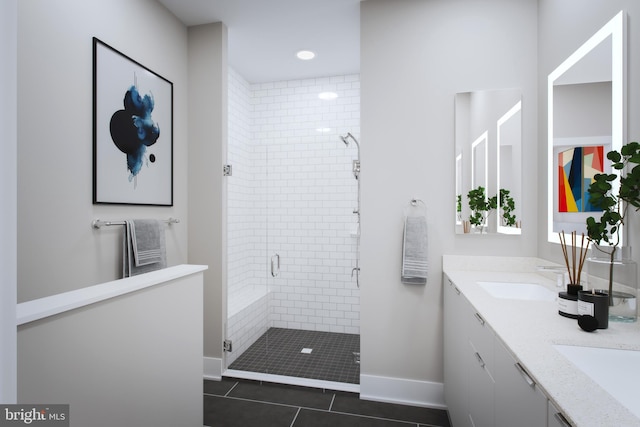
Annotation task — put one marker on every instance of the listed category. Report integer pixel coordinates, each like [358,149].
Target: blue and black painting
[133,129]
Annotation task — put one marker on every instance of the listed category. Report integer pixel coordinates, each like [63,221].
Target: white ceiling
[264,35]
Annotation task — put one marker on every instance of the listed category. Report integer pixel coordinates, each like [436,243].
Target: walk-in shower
[293,307]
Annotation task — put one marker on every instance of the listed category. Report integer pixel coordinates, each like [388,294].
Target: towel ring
[416,204]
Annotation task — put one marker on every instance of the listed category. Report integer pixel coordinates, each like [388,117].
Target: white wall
[57,248]
[207,188]
[416,55]
[560,32]
[8,175]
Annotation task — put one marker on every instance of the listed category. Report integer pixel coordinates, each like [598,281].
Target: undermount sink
[616,371]
[521,291]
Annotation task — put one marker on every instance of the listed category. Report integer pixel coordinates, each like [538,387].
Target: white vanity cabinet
[456,344]
[518,399]
[484,385]
[480,358]
[555,418]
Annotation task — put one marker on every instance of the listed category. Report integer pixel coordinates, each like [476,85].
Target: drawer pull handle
[457,290]
[480,361]
[479,318]
[525,375]
[561,419]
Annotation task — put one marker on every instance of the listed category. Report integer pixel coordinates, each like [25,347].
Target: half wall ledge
[41,308]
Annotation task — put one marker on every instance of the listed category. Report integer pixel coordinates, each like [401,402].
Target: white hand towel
[144,247]
[414,251]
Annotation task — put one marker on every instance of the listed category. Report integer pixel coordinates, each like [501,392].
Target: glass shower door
[247,258]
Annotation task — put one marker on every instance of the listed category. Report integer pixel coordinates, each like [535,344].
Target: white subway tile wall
[293,193]
[246,324]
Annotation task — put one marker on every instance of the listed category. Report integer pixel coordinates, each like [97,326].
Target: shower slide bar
[99,223]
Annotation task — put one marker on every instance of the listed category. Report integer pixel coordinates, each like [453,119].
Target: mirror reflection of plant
[479,206]
[614,210]
[507,205]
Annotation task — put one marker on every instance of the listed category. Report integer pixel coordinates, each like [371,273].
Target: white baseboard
[212,368]
[398,390]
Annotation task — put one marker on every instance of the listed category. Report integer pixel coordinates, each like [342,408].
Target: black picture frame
[132,131]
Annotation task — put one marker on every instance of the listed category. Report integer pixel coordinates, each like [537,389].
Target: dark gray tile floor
[234,403]
[279,352]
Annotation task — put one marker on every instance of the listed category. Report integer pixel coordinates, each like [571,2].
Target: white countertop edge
[37,309]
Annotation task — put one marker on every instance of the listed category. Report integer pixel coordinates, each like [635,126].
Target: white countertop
[531,328]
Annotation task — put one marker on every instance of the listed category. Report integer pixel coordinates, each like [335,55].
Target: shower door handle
[275,265]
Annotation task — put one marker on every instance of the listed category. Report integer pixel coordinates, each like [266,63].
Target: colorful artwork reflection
[576,168]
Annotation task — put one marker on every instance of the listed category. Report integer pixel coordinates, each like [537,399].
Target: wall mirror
[488,143]
[586,110]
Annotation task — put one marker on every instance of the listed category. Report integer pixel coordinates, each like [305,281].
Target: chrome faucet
[561,273]
[356,270]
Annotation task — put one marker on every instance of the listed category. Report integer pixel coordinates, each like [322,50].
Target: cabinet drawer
[481,337]
[519,400]
[555,417]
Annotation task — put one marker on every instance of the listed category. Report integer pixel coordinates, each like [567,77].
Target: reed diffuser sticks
[576,261]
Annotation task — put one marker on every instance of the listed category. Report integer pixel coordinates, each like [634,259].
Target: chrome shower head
[346,137]
[356,162]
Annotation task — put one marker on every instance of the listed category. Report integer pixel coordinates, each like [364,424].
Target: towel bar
[97,223]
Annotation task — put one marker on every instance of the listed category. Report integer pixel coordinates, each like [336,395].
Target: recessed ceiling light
[305,55]
[327,96]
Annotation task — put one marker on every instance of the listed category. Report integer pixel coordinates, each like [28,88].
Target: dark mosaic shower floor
[279,352]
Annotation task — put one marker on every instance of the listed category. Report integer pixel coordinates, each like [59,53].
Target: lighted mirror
[509,144]
[488,131]
[586,104]
[458,189]
[479,161]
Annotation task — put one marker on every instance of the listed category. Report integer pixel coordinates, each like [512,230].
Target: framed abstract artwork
[577,167]
[132,131]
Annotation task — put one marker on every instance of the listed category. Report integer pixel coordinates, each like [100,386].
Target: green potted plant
[614,206]
[507,206]
[479,206]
